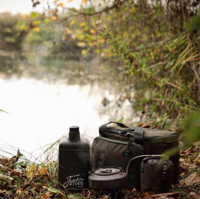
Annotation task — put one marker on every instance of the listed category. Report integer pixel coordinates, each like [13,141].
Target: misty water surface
[41,106]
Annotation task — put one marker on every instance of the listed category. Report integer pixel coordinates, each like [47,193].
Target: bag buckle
[126,132]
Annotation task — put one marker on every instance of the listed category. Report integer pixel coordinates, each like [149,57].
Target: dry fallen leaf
[4,161]
[192,179]
[46,195]
[31,171]
[84,2]
[60,5]
[197,144]
[197,160]
[134,190]
[42,171]
[163,197]
[20,190]
[187,151]
[166,195]
[105,197]
[192,194]
[193,166]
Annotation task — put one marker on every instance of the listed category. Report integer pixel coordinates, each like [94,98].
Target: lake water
[40,112]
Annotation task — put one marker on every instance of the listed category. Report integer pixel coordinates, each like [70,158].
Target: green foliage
[9,35]
[191,127]
[153,45]
[160,58]
[34,15]
[194,24]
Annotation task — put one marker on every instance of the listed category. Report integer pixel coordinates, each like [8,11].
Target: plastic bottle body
[74,163]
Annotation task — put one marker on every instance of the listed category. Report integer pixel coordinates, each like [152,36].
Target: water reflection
[42,107]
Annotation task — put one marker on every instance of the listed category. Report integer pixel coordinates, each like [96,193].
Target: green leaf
[191,127]
[194,24]
[153,108]
[37,22]
[53,190]
[120,120]
[46,21]
[34,15]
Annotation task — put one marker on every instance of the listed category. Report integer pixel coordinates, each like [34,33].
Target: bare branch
[106,9]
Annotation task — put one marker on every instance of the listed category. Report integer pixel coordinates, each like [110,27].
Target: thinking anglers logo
[74,181]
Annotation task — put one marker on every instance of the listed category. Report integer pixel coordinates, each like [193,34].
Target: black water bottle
[74,161]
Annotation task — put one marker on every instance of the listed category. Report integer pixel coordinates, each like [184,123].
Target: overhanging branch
[106,9]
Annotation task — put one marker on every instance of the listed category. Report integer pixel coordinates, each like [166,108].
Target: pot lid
[107,171]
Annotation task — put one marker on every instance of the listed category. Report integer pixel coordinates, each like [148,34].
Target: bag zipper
[112,141]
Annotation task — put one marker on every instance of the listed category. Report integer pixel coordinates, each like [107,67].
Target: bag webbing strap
[136,132]
[139,135]
[103,128]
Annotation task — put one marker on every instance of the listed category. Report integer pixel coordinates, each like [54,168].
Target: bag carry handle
[136,132]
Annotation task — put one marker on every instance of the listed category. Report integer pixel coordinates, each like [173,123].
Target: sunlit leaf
[68,31]
[92,31]
[192,179]
[46,195]
[34,15]
[42,171]
[36,29]
[80,36]
[46,21]
[31,171]
[125,34]
[83,52]
[25,16]
[60,5]
[37,22]
[101,40]
[109,54]
[84,1]
[82,24]
[53,18]
[72,22]
[81,44]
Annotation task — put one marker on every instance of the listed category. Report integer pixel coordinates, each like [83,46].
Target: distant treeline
[9,35]
[35,32]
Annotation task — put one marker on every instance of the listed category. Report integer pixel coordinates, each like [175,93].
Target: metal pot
[107,178]
[111,178]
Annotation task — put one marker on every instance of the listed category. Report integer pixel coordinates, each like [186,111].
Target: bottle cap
[74,134]
[74,129]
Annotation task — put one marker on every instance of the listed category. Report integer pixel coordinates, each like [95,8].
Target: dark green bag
[156,175]
[158,142]
[114,148]
[117,145]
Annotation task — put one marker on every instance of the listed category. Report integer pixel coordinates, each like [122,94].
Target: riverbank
[25,179]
